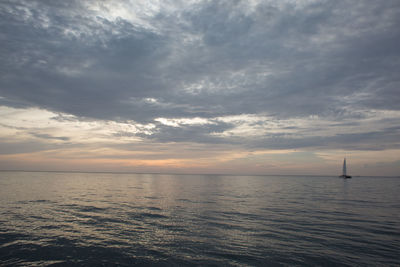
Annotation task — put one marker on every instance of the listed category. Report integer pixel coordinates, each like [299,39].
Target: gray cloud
[374,140]
[50,137]
[28,146]
[209,59]
[191,133]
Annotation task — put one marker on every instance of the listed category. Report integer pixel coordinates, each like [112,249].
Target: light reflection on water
[126,219]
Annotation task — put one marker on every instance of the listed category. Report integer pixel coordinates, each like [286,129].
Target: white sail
[344,167]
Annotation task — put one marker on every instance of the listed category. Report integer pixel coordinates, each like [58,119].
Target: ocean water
[103,219]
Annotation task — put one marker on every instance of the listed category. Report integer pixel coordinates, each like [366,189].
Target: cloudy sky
[247,87]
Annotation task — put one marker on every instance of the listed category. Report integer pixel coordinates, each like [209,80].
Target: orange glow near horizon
[42,143]
[239,162]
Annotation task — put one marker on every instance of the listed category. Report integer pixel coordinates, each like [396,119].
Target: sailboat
[344,175]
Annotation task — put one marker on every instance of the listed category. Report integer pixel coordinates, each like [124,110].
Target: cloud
[9,147]
[285,60]
[47,136]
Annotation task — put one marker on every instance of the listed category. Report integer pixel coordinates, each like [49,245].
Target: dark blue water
[136,219]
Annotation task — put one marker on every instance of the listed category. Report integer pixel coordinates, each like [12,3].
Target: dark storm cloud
[209,59]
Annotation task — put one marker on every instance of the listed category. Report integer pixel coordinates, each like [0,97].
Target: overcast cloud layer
[255,74]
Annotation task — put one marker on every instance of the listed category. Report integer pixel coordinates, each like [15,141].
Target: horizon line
[219,174]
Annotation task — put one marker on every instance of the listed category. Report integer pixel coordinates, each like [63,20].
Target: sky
[230,87]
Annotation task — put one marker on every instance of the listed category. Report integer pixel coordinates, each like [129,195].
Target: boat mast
[344,167]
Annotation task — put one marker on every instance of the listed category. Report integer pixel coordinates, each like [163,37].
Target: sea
[115,219]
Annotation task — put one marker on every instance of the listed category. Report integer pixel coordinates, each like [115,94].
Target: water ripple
[197,220]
